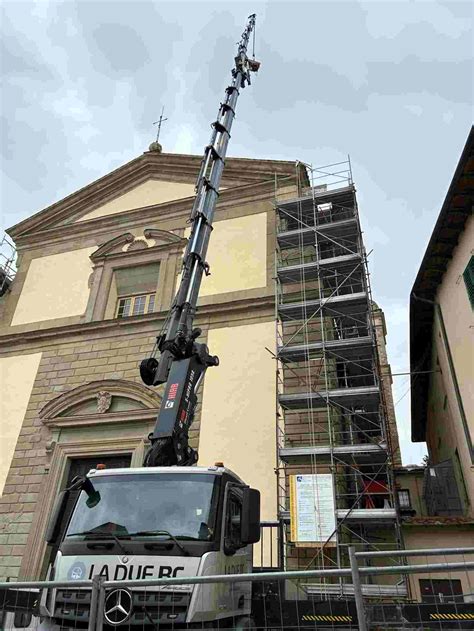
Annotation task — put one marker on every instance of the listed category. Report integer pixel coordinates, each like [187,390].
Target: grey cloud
[132,43]
[452,80]
[423,41]
[28,164]
[305,82]
[461,9]
[120,50]
[212,55]
[107,64]
[329,33]
[15,141]
[17,61]
[317,83]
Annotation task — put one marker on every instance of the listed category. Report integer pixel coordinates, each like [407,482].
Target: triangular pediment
[148,193]
[153,179]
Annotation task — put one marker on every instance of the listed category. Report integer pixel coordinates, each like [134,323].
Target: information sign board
[312,510]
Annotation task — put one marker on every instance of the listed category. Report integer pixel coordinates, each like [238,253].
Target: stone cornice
[149,323]
[130,416]
[178,209]
[171,167]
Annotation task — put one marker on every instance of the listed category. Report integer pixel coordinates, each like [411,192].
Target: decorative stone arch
[76,406]
[128,250]
[163,237]
[125,241]
[99,418]
[112,246]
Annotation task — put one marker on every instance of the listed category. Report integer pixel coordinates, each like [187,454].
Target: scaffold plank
[311,270]
[346,303]
[304,235]
[350,348]
[301,455]
[364,395]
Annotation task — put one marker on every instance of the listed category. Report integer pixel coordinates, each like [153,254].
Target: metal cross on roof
[158,122]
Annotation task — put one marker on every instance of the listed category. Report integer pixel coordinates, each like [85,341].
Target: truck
[169,518]
[156,522]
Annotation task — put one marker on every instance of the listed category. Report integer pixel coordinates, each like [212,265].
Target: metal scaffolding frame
[331,415]
[7,264]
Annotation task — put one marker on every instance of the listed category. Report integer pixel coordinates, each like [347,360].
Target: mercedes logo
[118,606]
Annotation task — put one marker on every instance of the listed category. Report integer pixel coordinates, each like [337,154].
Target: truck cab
[157,522]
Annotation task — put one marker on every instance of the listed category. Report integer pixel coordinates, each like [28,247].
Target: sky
[389,83]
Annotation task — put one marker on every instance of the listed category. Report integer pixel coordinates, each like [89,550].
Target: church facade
[97,272]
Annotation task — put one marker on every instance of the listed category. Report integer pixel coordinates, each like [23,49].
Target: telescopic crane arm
[183,361]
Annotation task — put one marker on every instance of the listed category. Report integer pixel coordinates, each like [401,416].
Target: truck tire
[245,622]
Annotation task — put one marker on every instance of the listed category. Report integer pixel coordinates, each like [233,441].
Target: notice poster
[312,511]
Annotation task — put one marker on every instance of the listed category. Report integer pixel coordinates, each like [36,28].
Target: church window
[135,305]
[133,276]
[135,289]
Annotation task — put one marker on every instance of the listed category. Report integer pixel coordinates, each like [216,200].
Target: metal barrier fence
[359,597]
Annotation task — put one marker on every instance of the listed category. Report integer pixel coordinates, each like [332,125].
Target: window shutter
[468,276]
[141,279]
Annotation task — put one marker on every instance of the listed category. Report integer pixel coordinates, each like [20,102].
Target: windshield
[182,505]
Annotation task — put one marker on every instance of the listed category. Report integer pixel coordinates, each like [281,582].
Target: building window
[134,290]
[441,590]
[404,498]
[468,276]
[441,491]
[135,305]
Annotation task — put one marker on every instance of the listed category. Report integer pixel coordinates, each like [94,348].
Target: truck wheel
[244,623]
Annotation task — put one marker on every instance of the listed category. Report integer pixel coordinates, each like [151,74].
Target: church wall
[56,286]
[242,264]
[237,255]
[238,408]
[145,194]
[17,375]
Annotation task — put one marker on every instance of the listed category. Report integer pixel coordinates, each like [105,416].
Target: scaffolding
[331,416]
[7,264]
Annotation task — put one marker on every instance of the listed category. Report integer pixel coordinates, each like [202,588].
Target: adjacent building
[442,347]
[426,527]
[437,500]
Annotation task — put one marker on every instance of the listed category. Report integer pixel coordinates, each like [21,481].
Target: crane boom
[183,361]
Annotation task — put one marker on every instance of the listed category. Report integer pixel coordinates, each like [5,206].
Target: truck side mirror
[55,518]
[250,528]
[93,496]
